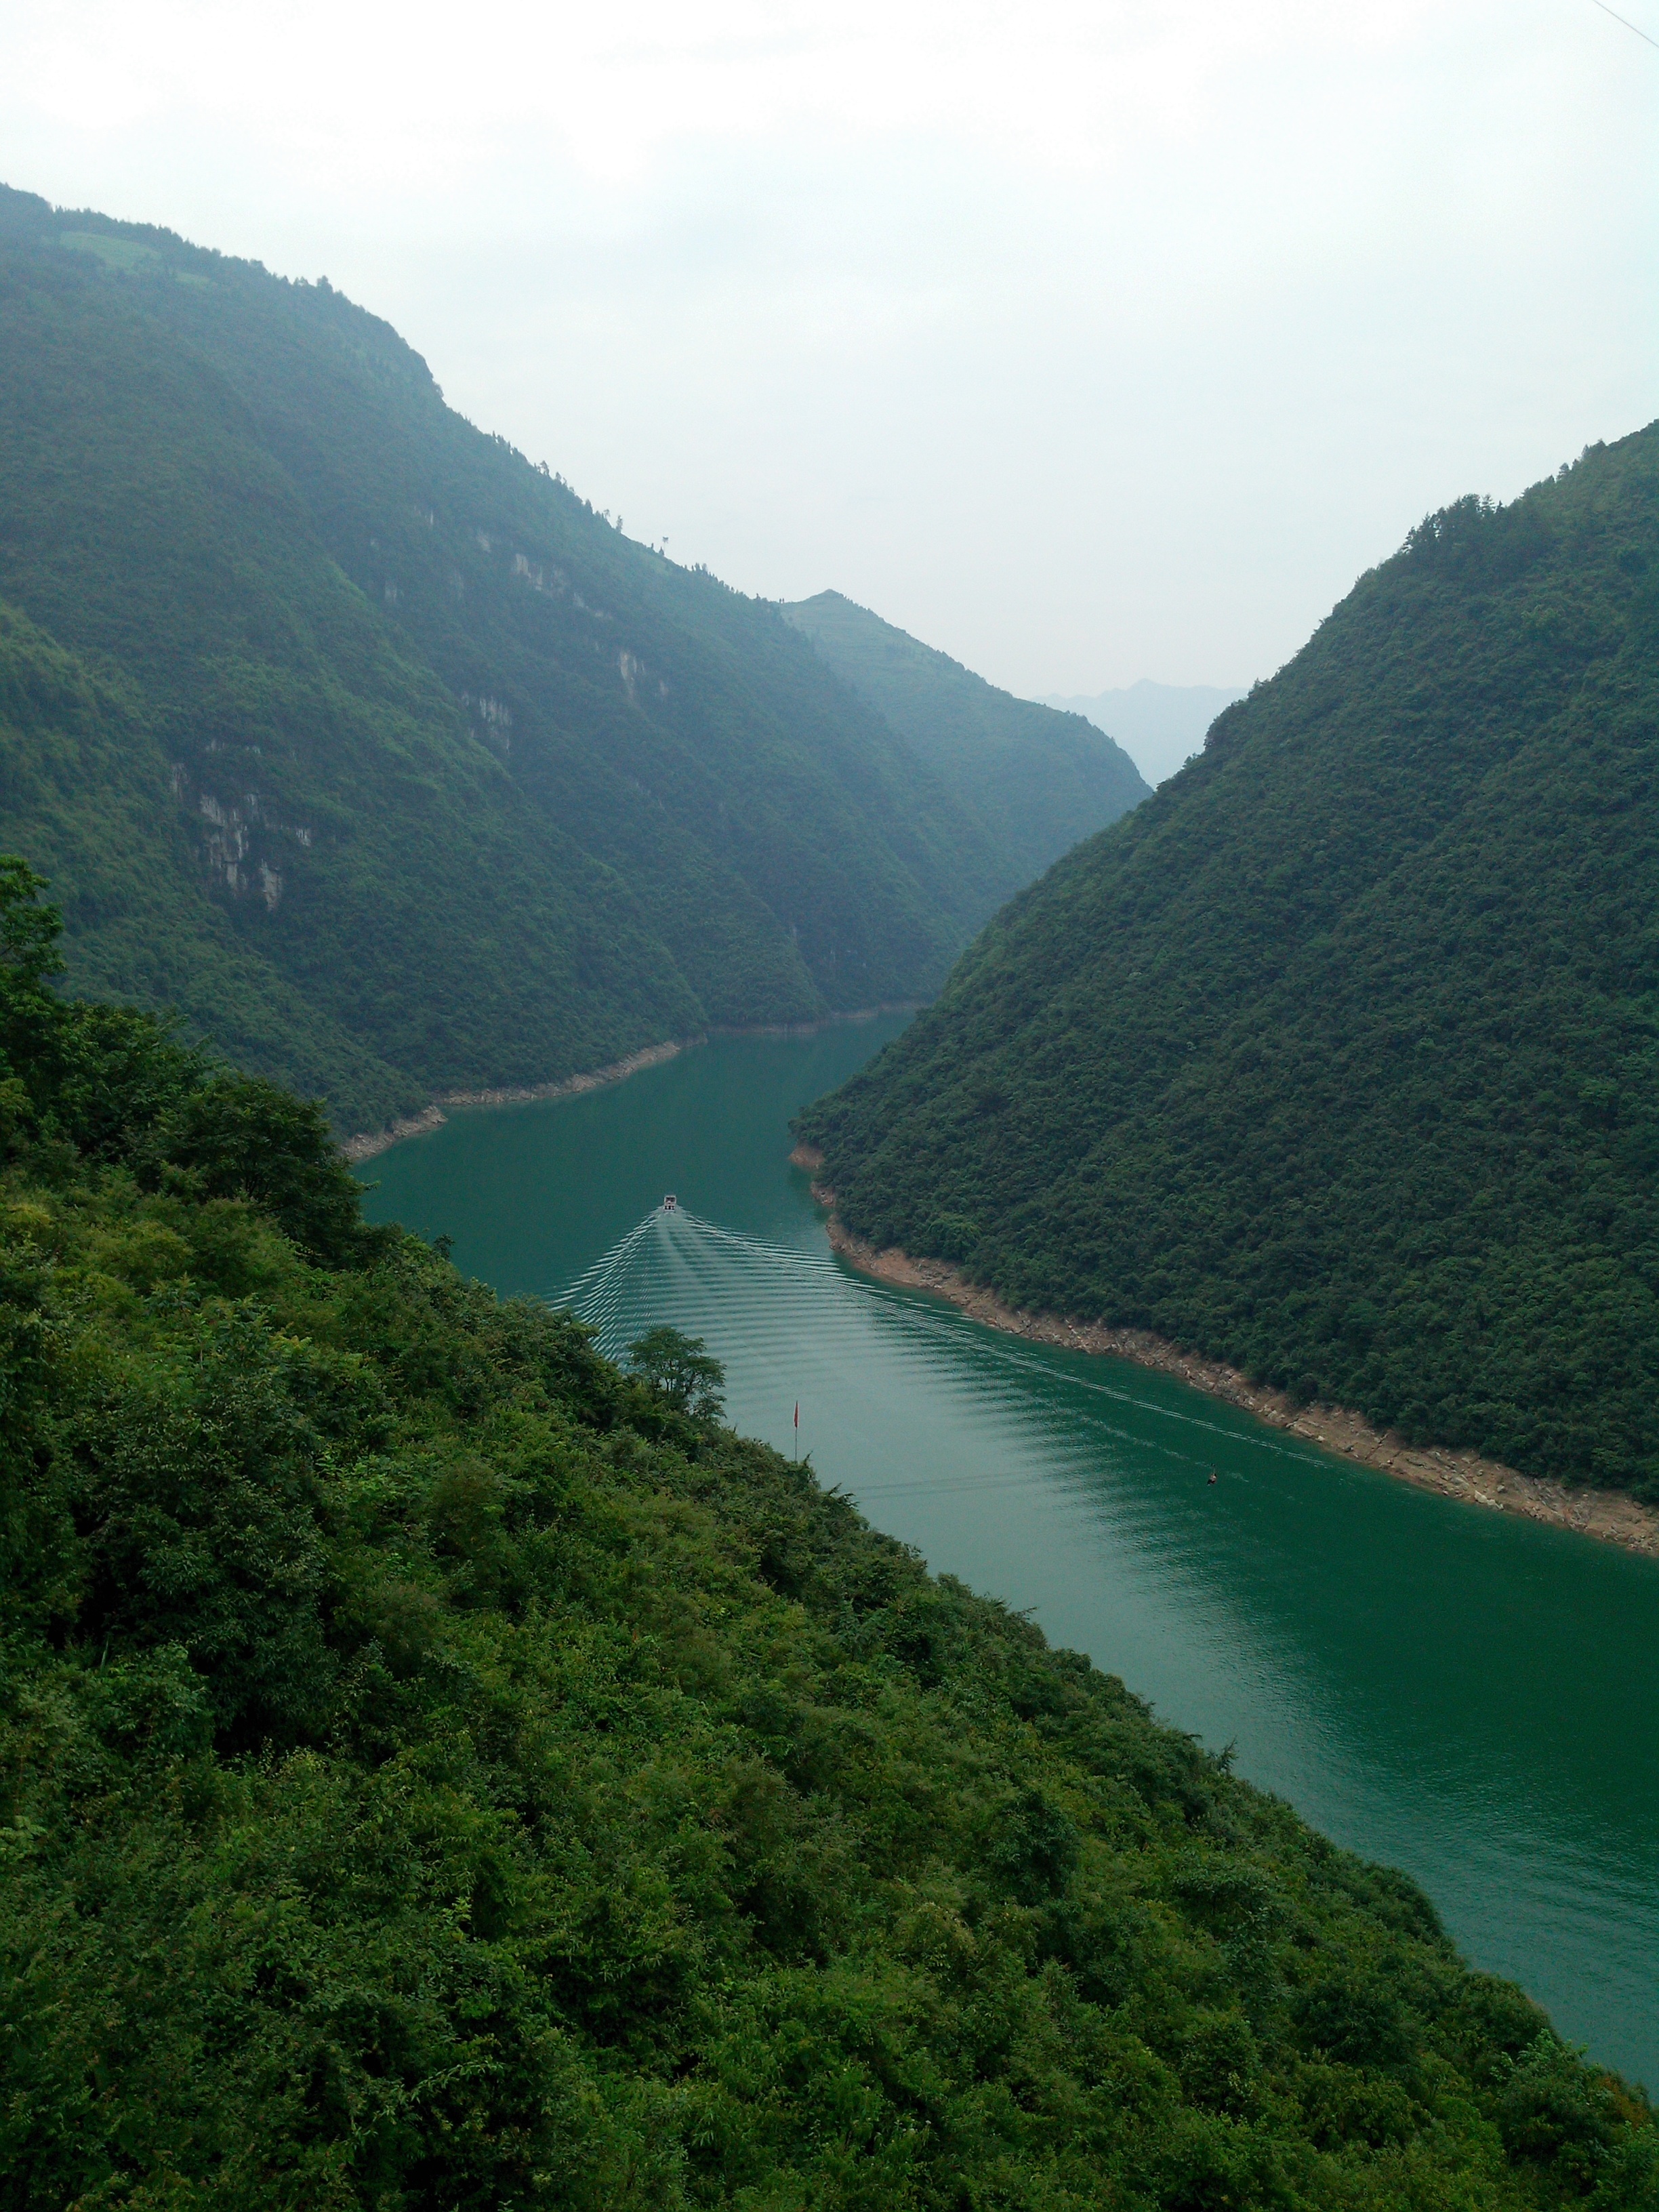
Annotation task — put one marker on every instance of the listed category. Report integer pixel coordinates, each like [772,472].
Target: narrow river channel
[1464,1695]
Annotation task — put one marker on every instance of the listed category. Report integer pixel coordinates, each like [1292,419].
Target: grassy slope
[1044,779]
[436,1773]
[1337,1058]
[557,797]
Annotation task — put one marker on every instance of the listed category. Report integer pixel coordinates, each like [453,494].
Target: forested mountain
[1338,1059]
[374,747]
[437,1771]
[1038,781]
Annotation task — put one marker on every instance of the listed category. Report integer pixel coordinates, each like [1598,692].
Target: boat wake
[674,1266]
[781,1312]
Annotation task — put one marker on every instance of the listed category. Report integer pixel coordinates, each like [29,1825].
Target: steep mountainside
[446,782]
[1340,1058]
[1038,781]
[436,1770]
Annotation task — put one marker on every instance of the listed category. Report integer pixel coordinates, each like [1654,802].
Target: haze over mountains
[376,750]
[443,1770]
[1160,725]
[1338,1059]
[1038,779]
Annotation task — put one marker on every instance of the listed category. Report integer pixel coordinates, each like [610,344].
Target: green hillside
[1037,781]
[425,776]
[436,1772]
[1338,1059]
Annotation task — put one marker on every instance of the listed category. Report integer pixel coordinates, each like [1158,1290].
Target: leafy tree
[683,1369]
[243,1137]
[28,931]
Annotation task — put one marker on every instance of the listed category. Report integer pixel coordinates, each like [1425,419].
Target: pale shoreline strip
[1611,1516]
[374,1141]
[370,1143]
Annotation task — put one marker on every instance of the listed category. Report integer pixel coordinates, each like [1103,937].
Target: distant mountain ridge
[374,748]
[1036,780]
[1160,725]
[1338,1059]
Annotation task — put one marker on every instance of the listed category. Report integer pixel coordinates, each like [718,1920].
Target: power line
[1626,20]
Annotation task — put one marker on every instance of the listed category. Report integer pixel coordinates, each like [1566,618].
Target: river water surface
[1469,1697]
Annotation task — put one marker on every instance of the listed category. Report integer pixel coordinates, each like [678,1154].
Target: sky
[1087,342]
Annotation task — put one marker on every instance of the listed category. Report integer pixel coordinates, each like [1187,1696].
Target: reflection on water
[1465,1695]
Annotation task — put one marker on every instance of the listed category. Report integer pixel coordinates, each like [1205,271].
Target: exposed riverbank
[1610,1515]
[374,1141]
[368,1144]
[1461,1694]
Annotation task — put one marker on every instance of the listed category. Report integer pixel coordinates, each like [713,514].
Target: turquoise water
[1469,1697]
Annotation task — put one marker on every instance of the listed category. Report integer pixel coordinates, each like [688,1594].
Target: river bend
[1470,1697]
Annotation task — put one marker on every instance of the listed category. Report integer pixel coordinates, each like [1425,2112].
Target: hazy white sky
[1088,342]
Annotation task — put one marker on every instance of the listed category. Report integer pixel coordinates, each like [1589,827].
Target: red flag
[797,1417]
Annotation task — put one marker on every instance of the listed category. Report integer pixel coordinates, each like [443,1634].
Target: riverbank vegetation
[438,1772]
[1338,1059]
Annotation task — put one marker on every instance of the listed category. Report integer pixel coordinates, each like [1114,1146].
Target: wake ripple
[674,1266]
[771,1299]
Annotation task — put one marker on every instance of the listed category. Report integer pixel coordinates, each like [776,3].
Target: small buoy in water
[669,1201]
[1213,1474]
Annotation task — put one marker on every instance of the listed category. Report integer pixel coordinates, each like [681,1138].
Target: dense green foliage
[85,790]
[375,748]
[681,1369]
[437,1773]
[1036,780]
[1340,1058]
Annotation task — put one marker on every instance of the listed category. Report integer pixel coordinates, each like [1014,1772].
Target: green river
[1470,1697]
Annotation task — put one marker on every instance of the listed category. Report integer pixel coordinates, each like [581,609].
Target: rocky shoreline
[1611,1516]
[369,1143]
[374,1141]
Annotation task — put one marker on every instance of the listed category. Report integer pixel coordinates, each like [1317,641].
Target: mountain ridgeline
[435,1769]
[373,747]
[1038,781]
[1338,1059]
